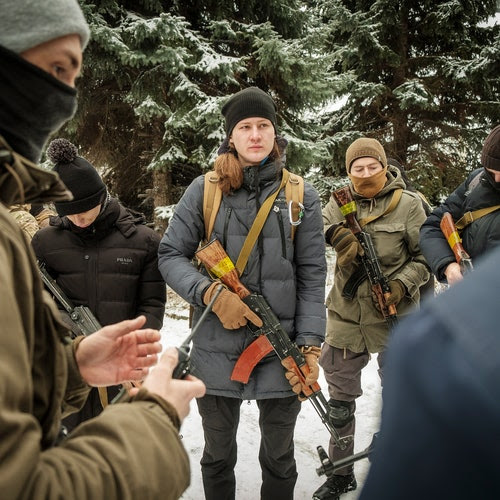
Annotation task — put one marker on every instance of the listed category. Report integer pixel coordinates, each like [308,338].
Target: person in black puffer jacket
[481,190]
[101,254]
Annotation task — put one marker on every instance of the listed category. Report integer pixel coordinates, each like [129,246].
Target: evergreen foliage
[156,74]
[419,75]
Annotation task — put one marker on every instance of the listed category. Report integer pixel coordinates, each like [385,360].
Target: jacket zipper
[282,232]
[226,225]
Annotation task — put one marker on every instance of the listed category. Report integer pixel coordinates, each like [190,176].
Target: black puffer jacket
[111,266]
[478,191]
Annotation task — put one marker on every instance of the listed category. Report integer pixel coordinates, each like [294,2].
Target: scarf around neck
[369,186]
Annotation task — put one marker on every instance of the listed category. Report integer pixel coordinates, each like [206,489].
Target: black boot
[334,486]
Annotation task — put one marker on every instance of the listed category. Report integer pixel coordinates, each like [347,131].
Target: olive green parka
[356,324]
[131,451]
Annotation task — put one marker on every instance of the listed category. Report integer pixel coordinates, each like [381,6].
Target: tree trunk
[162,196]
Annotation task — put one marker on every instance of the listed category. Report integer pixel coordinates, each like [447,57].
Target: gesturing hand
[118,353]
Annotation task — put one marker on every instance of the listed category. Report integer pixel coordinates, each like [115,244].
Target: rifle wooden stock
[451,234]
[218,264]
[379,282]
[270,337]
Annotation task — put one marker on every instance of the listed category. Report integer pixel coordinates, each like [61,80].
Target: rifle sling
[257,225]
[396,196]
[103,396]
[469,217]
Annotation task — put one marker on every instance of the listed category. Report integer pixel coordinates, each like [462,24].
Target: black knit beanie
[490,156]
[80,177]
[248,103]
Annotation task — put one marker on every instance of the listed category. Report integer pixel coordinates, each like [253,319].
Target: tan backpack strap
[396,196]
[469,217]
[212,196]
[257,225]
[294,194]
[103,396]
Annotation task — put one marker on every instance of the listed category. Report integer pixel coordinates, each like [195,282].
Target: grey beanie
[248,103]
[27,23]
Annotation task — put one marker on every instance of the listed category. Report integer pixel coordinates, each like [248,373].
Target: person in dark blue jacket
[440,430]
[479,198]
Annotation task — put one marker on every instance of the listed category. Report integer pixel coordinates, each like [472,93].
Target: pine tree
[421,76]
[156,74]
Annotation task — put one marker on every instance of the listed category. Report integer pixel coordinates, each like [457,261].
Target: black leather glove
[346,246]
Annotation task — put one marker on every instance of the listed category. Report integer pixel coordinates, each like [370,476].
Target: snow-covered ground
[309,431]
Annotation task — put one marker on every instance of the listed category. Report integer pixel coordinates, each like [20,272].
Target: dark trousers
[342,369]
[220,419]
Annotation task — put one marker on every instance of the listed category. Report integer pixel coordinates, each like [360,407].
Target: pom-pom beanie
[79,176]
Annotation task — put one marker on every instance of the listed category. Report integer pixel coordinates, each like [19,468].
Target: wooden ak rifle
[271,336]
[451,234]
[379,282]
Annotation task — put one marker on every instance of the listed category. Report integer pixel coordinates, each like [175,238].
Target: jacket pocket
[389,242]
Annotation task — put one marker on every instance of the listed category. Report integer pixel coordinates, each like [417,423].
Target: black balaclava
[33,104]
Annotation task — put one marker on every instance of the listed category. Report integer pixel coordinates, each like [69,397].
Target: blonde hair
[230,171]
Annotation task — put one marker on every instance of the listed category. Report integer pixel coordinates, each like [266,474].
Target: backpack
[212,197]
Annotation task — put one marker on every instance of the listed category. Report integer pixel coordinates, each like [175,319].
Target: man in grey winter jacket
[290,274]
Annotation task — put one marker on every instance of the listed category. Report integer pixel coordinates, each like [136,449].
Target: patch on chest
[125,261]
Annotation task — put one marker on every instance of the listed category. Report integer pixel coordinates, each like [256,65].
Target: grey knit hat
[248,103]
[27,23]
[490,155]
